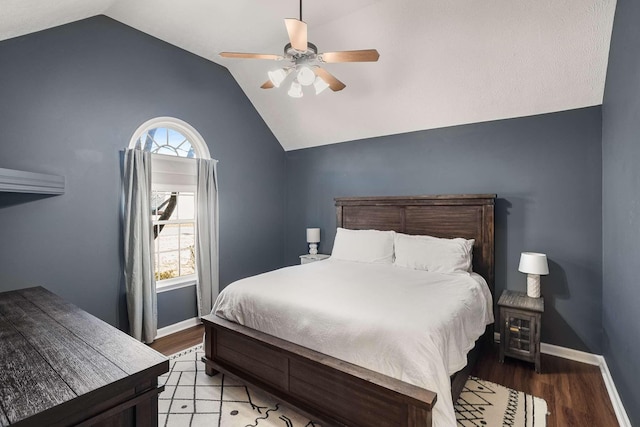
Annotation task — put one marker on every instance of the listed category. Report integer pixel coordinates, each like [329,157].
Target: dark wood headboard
[470,216]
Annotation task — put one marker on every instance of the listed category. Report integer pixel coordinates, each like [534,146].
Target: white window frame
[181,281]
[172,173]
[197,141]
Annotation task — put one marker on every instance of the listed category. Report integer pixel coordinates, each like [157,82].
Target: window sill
[173,284]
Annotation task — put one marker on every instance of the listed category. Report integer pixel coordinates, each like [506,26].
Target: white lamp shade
[320,85]
[295,91]
[277,76]
[533,263]
[313,235]
[306,76]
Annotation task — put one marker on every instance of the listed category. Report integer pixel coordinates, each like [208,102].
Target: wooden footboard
[331,391]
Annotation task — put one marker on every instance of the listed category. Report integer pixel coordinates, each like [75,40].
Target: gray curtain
[138,246]
[207,235]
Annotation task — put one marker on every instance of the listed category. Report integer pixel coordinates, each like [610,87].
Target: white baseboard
[621,414]
[571,354]
[177,327]
[591,359]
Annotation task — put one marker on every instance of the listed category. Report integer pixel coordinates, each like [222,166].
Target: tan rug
[193,399]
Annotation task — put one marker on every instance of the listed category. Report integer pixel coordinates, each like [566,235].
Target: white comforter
[412,325]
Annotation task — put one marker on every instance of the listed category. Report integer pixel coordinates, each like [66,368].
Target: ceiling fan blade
[366,55]
[297,33]
[334,84]
[267,85]
[242,55]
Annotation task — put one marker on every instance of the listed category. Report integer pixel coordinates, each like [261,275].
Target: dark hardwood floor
[574,391]
[174,343]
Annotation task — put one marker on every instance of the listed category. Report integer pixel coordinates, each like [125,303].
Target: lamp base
[533,285]
[313,248]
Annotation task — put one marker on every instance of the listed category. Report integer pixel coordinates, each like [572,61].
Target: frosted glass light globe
[320,85]
[277,76]
[295,91]
[306,76]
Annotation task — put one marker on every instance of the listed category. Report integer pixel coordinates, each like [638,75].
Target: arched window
[170,136]
[173,144]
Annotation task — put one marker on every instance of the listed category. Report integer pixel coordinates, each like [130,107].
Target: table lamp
[313,238]
[534,264]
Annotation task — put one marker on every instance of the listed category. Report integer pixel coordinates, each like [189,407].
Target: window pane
[146,142]
[159,200]
[168,238]
[163,206]
[167,265]
[187,235]
[159,135]
[156,266]
[186,206]
[180,144]
[187,262]
[155,201]
[156,233]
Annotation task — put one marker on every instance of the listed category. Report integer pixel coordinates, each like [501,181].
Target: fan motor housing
[312,50]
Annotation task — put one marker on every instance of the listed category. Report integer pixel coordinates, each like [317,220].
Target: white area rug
[193,399]
[483,403]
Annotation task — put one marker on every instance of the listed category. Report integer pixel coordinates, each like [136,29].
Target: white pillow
[372,246]
[433,254]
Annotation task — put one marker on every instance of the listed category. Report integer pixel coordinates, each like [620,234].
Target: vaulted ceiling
[442,63]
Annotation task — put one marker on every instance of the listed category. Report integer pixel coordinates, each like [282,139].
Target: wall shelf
[16,181]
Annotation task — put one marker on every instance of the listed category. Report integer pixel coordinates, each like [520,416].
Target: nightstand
[306,259]
[520,318]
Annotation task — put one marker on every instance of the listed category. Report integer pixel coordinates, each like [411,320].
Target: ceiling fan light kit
[304,59]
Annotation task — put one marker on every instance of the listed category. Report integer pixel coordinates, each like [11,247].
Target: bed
[335,392]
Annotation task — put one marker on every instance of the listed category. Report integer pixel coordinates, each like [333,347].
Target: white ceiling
[442,63]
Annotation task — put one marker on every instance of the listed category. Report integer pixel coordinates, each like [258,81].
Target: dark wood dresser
[61,366]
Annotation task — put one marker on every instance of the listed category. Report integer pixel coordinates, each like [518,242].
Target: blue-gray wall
[545,169]
[176,305]
[621,206]
[72,96]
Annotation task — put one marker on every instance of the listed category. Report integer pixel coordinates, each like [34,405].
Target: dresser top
[55,356]
[516,299]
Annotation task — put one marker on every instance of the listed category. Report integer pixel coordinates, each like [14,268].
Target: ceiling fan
[303,61]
